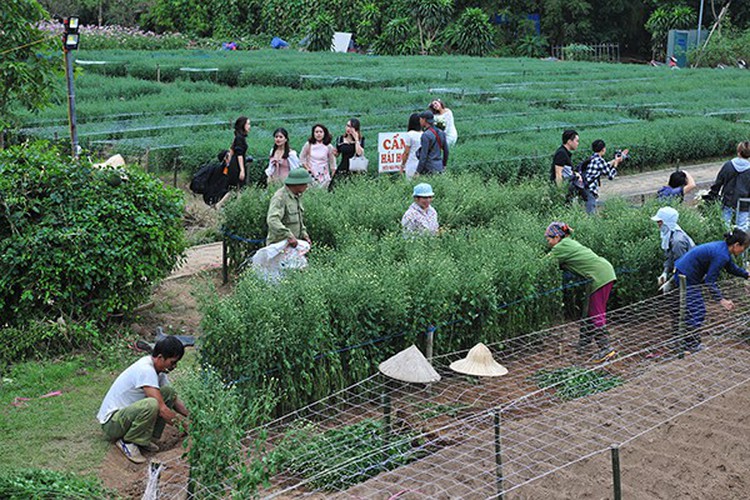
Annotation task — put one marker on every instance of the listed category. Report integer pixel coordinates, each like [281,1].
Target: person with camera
[595,168]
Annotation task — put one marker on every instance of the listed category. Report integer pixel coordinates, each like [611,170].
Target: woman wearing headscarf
[581,260]
[674,242]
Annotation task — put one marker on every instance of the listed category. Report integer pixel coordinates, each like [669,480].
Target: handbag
[358,164]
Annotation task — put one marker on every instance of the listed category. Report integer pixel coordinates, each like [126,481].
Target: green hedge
[479,281]
[79,242]
[23,484]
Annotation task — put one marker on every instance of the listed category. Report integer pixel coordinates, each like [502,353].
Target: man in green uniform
[285,212]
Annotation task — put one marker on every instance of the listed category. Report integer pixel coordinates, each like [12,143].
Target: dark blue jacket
[703,264]
[433,153]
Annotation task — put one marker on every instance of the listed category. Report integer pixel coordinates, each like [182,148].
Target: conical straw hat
[409,366]
[479,362]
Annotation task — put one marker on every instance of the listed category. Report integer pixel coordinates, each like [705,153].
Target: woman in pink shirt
[318,156]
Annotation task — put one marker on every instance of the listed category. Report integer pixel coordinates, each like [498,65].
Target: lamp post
[70,43]
[700,23]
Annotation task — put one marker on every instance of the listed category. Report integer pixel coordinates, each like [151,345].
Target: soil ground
[663,464]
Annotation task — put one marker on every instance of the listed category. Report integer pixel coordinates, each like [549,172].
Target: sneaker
[130,451]
[604,355]
[151,446]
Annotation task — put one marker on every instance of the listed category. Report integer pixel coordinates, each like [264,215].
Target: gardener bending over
[579,259]
[141,401]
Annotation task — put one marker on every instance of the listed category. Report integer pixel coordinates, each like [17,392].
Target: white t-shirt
[128,387]
[413,141]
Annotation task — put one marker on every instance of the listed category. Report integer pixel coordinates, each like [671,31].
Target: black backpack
[200,182]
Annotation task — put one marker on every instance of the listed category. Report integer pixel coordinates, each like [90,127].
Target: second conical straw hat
[479,362]
[409,366]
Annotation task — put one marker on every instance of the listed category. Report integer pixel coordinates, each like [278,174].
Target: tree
[28,63]
[431,17]
[664,19]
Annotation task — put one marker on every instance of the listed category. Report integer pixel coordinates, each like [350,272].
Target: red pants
[598,305]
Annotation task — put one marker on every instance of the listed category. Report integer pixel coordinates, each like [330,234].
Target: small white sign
[391,146]
[341,41]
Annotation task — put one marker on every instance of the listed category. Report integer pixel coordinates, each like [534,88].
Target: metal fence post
[616,483]
[498,456]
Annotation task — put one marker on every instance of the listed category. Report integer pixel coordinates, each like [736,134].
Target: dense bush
[79,242]
[724,48]
[366,285]
[471,34]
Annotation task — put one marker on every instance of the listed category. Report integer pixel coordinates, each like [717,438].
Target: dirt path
[647,183]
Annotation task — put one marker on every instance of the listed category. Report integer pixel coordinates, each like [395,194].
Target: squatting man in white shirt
[141,402]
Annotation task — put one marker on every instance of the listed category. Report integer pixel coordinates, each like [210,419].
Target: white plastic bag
[273,261]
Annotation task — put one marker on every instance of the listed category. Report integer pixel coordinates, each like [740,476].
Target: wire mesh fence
[481,437]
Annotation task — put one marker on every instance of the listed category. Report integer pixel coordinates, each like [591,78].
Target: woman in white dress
[318,157]
[444,117]
[413,135]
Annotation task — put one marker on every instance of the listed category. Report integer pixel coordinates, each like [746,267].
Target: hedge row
[367,285]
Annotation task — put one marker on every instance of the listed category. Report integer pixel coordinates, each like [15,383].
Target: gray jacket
[679,244]
[433,153]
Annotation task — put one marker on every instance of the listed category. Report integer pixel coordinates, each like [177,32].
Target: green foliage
[471,34]
[398,38]
[45,338]
[532,46]
[367,285]
[79,242]
[336,459]
[218,421]
[29,64]
[22,484]
[284,17]
[575,382]
[725,48]
[321,32]
[431,16]
[664,19]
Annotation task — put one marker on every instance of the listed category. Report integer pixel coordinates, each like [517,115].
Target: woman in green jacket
[581,260]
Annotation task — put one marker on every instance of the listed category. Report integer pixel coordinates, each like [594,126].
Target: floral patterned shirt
[416,220]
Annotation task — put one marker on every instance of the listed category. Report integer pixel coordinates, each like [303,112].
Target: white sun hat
[479,362]
[409,366]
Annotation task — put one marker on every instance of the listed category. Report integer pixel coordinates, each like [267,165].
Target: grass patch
[59,432]
[23,484]
[574,382]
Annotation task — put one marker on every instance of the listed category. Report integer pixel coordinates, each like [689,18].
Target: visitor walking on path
[702,266]
[285,212]
[421,218]
[141,402]
[348,146]
[733,181]
[595,168]
[282,159]
[433,150]
[581,260]
[674,242]
[562,161]
[318,157]
[236,170]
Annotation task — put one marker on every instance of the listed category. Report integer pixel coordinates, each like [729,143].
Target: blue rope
[434,328]
[243,240]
